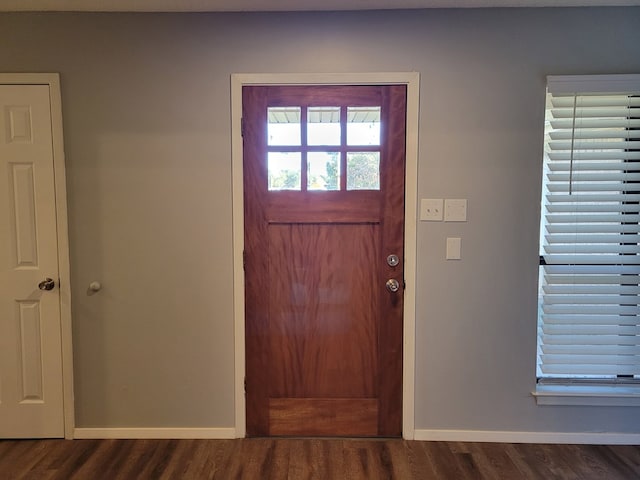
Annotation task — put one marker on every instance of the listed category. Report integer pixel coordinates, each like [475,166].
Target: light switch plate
[455,210]
[431,209]
[453,248]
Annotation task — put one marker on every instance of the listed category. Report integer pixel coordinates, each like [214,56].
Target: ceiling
[283,5]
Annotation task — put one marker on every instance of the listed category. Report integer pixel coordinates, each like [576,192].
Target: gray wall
[146,104]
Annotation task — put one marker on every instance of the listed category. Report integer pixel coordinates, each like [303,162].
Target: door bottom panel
[323,416]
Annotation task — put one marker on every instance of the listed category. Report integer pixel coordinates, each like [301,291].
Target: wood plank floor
[298,459]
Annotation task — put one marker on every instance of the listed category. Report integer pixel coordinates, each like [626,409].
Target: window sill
[588,395]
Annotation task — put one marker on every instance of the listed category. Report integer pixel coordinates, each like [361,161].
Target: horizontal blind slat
[590,248]
[591,238]
[623,271]
[576,319]
[568,101]
[589,145]
[591,350]
[590,299]
[588,332]
[591,112]
[563,187]
[593,370]
[592,340]
[581,289]
[594,259]
[589,155]
[598,281]
[592,309]
[596,123]
[593,134]
[593,359]
[580,166]
[598,177]
[554,199]
[593,218]
[591,228]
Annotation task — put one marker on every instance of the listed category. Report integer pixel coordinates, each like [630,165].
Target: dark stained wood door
[324,209]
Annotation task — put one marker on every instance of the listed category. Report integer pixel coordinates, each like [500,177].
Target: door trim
[52,80]
[412,81]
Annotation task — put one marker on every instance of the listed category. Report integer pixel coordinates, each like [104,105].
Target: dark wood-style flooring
[294,459]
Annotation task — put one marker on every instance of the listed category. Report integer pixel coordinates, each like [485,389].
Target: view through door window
[313,142]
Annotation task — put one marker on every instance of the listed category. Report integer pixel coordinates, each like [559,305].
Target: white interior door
[31,386]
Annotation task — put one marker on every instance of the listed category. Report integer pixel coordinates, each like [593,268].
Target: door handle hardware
[47,284]
[392,285]
[393,260]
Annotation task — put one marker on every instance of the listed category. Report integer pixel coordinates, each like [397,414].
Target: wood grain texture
[323,416]
[323,310]
[319,321]
[311,459]
[392,239]
[324,207]
[254,103]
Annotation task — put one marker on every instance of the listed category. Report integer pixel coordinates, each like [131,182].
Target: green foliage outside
[363,173]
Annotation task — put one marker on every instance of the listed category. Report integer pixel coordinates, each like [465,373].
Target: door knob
[47,284]
[392,285]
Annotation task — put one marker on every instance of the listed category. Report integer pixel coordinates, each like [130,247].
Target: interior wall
[146,105]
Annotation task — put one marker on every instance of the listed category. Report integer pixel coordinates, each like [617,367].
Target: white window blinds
[590,230]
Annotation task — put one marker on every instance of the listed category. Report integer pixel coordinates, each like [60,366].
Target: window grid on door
[323,148]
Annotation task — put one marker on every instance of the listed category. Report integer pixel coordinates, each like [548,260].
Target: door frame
[52,80]
[412,81]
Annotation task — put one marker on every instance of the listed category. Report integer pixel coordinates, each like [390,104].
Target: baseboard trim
[594,438]
[154,433]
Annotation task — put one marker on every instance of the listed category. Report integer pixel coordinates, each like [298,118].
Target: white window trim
[588,395]
[582,393]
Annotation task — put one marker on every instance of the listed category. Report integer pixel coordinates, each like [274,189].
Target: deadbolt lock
[393,260]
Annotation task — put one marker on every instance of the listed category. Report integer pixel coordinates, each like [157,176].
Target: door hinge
[245,385]
[242,127]
[244,259]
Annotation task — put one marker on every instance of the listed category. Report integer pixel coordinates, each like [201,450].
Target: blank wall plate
[455,210]
[431,209]
[454,245]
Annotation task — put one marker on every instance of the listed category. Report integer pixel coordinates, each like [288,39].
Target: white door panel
[31,394]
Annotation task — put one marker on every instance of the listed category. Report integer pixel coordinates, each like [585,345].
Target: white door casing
[33,247]
[412,80]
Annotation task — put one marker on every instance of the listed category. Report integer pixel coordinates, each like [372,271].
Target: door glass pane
[363,126]
[323,126]
[363,171]
[283,127]
[284,170]
[323,171]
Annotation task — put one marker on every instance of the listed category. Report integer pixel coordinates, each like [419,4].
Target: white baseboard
[593,438]
[154,433]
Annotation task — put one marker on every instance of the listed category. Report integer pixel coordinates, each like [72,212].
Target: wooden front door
[324,235]
[31,396]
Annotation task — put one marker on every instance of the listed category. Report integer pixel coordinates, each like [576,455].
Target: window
[323,148]
[588,322]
